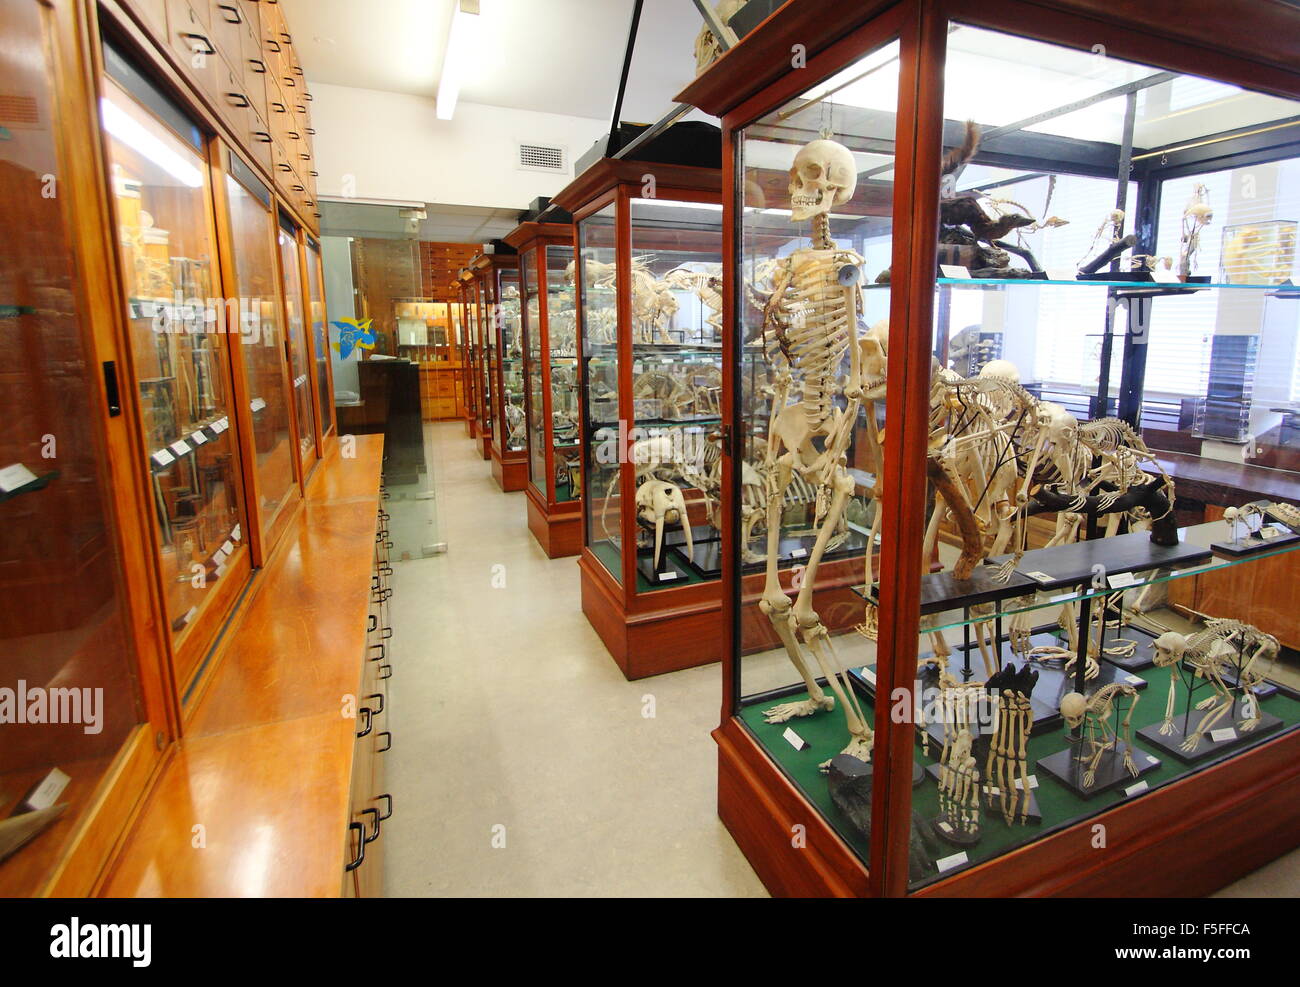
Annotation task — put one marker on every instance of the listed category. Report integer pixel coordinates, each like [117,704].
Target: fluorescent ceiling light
[462,44]
[140,139]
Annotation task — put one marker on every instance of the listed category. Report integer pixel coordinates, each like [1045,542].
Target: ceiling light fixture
[462,43]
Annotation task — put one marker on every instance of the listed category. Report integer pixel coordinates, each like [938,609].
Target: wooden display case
[167,346]
[551,385]
[896,83]
[469,370]
[654,613]
[497,278]
[475,301]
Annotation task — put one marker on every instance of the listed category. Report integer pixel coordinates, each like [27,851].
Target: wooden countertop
[266,760]
[1227,484]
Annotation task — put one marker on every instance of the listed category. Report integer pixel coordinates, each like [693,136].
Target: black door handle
[370,721]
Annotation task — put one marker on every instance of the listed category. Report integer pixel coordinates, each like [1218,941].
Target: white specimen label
[794,740]
[1225,733]
[15,476]
[946,864]
[1136,788]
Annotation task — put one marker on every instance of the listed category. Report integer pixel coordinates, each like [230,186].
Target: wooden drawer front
[444,384]
[153,13]
[227,23]
[192,42]
[260,141]
[281,169]
[252,61]
[236,107]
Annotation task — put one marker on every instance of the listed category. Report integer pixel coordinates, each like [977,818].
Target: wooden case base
[471,427]
[559,533]
[1185,839]
[651,641]
[485,446]
[510,469]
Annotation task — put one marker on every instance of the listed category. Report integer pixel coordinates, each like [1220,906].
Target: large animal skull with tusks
[658,502]
[823,175]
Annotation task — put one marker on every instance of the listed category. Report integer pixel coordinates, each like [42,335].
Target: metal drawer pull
[359,859]
[231,9]
[382,652]
[273,45]
[207,45]
[385,672]
[380,697]
[262,136]
[364,812]
[388,744]
[259,66]
[389,799]
[239,96]
[370,721]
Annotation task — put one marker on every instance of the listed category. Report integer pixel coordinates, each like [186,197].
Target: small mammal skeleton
[1094,713]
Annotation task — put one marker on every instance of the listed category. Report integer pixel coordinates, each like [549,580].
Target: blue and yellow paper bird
[353,335]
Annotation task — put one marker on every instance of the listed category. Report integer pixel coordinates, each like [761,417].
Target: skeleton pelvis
[796,433]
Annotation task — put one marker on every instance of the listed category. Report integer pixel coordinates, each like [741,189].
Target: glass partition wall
[1111,321]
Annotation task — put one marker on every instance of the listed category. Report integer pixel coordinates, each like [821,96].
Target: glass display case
[469,369]
[251,234]
[323,380]
[69,558]
[300,358]
[1072,567]
[499,275]
[481,312]
[159,179]
[551,373]
[648,272]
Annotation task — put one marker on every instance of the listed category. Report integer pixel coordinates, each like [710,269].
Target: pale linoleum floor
[523,763]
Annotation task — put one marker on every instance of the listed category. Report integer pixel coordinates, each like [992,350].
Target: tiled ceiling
[444,223]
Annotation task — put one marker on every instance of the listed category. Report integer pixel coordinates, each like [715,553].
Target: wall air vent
[541,157]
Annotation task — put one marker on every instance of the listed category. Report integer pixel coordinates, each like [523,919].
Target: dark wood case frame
[509,469]
[556,524]
[469,365]
[666,629]
[474,294]
[1223,821]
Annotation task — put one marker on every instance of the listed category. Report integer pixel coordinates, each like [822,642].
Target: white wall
[378,145]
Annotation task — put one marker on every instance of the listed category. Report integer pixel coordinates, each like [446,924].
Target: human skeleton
[1208,653]
[809,323]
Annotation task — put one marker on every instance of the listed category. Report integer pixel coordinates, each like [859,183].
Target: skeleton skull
[1169,648]
[1074,708]
[823,175]
[658,501]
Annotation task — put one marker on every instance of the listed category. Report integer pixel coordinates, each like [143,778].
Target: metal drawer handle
[273,45]
[279,107]
[380,697]
[366,812]
[207,45]
[389,799]
[259,66]
[262,136]
[233,10]
[284,167]
[370,721]
[298,188]
[359,859]
[382,652]
[386,672]
[388,744]
[239,96]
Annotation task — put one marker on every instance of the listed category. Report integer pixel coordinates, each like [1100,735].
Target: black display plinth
[1209,748]
[1066,768]
[967,666]
[672,570]
[941,591]
[1073,564]
[706,559]
[1252,545]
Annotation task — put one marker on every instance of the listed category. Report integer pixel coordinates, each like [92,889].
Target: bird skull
[823,175]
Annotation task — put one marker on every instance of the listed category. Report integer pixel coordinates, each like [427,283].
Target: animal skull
[873,348]
[1169,648]
[1074,707]
[658,501]
[823,175]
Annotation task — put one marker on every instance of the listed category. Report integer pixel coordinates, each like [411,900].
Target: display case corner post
[731,380]
[919,148]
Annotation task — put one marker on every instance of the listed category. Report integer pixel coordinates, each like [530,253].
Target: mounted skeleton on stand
[810,322]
